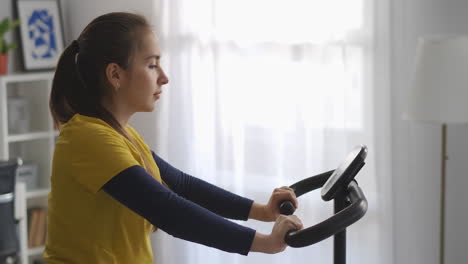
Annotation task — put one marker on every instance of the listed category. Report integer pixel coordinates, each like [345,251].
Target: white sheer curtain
[264,93]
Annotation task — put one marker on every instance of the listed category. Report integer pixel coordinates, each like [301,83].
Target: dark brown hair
[80,82]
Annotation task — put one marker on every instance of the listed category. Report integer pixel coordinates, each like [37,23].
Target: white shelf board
[25,77]
[36,251]
[29,136]
[37,193]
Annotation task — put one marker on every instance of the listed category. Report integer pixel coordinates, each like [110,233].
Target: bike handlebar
[353,212]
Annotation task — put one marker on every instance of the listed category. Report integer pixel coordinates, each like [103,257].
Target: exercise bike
[350,204]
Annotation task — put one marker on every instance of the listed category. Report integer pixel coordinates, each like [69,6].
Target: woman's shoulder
[89,128]
[134,134]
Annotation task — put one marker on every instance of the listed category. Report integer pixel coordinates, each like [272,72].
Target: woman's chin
[147,108]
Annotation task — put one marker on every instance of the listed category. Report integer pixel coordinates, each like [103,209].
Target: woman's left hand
[271,210]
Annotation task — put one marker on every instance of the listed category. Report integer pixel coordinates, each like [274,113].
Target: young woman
[108,189]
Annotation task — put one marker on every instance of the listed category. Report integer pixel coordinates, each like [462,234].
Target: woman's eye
[153,66]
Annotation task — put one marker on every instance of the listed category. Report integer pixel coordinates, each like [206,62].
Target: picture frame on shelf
[40,33]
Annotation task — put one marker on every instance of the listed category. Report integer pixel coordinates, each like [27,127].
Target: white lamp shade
[439,91]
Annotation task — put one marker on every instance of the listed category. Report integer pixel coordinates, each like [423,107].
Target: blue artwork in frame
[42,35]
[40,32]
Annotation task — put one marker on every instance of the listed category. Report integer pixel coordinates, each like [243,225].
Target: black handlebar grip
[288,235]
[287,208]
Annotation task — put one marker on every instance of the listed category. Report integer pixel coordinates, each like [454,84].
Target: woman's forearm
[261,243]
[136,189]
[213,198]
[274,242]
[258,212]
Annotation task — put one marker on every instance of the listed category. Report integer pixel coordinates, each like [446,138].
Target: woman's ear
[114,75]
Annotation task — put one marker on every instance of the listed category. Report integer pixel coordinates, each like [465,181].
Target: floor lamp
[439,94]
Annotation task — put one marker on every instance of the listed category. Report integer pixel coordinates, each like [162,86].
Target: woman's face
[144,79]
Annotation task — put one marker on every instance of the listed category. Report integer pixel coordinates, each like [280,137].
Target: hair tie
[75,46]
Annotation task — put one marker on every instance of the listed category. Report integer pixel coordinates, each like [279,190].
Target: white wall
[416,147]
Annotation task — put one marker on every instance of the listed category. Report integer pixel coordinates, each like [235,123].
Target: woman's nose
[163,78]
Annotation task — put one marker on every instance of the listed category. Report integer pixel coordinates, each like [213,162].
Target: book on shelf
[37,226]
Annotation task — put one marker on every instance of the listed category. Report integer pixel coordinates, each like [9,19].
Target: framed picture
[41,33]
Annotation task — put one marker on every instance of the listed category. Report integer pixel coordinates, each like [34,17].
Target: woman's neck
[119,113]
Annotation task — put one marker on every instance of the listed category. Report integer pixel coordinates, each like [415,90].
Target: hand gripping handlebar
[356,208]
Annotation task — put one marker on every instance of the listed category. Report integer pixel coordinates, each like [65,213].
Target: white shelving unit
[36,145]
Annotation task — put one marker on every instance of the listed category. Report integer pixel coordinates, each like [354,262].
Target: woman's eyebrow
[157,57]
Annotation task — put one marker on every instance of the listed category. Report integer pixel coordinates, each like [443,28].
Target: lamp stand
[442,194]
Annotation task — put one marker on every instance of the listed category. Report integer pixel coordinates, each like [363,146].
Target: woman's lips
[157,95]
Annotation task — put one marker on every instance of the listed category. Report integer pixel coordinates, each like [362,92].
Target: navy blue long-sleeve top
[190,209]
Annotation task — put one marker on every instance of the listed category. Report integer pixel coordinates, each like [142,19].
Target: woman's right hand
[274,242]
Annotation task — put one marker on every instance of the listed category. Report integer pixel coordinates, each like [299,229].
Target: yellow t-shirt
[85,224]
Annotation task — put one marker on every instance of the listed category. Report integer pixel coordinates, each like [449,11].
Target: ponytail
[65,85]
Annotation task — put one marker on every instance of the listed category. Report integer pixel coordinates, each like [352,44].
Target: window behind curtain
[263,94]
